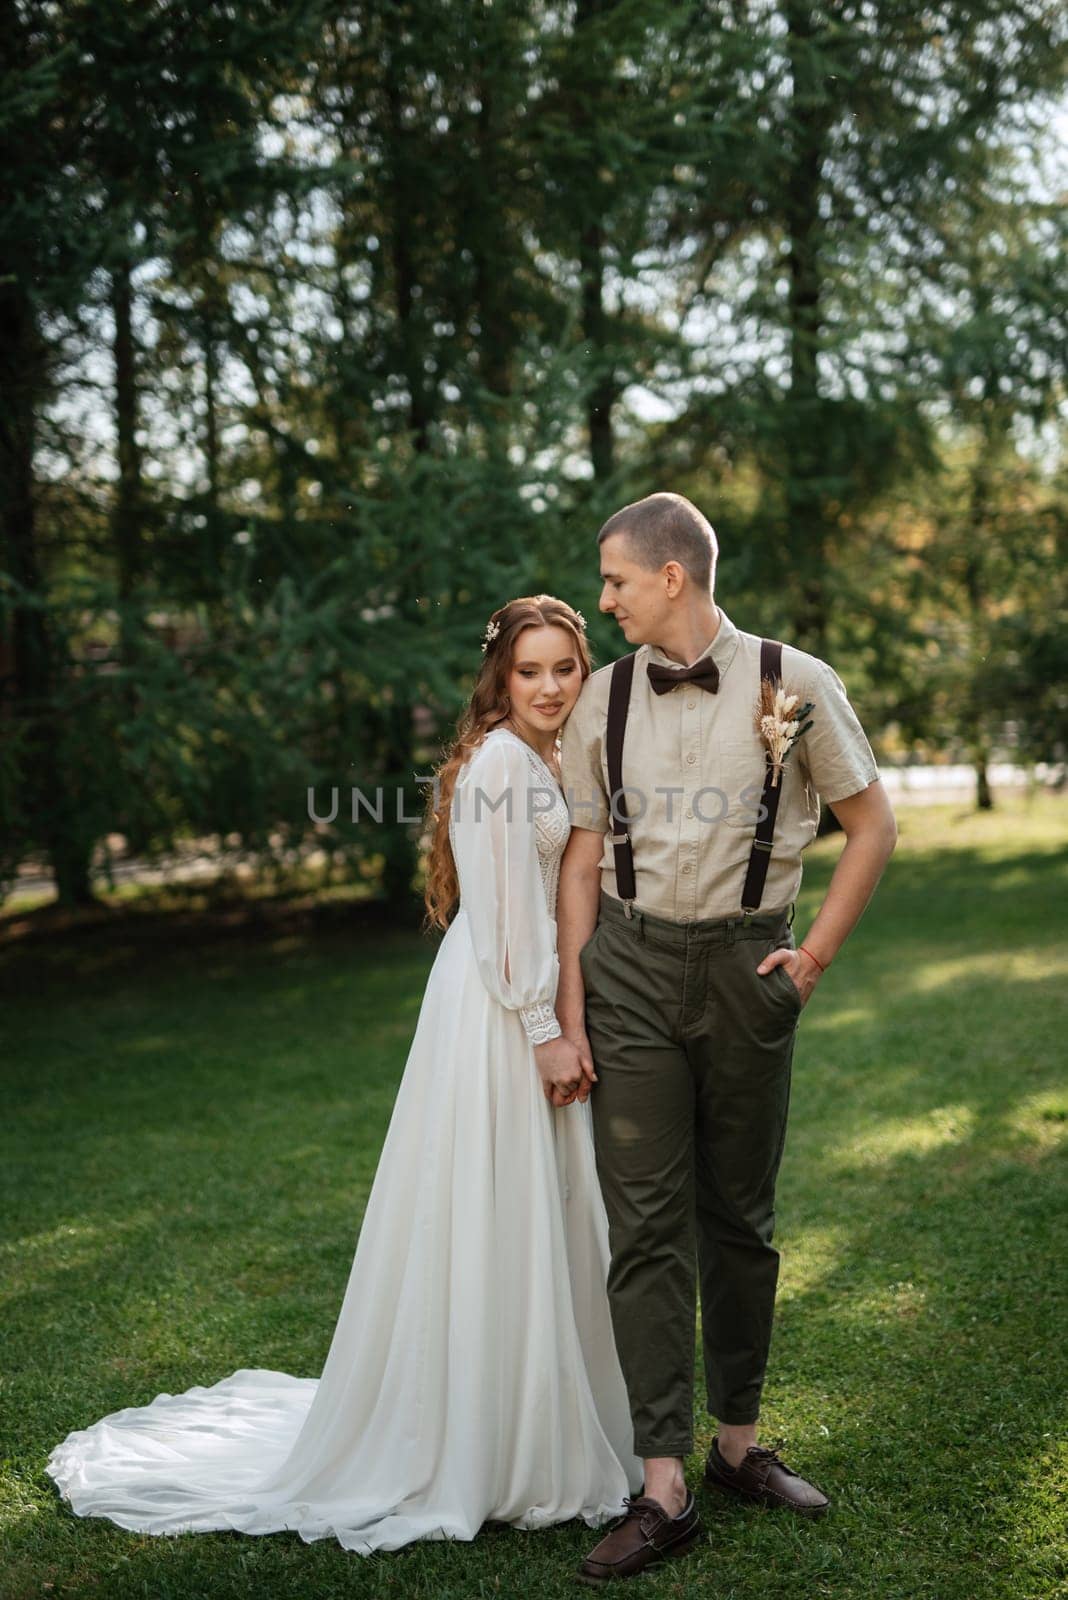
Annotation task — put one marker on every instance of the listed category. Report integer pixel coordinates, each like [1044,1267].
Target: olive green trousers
[693,1051]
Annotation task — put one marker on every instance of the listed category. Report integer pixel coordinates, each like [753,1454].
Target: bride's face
[544,680]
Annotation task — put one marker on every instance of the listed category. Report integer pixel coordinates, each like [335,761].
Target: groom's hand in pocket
[801,970]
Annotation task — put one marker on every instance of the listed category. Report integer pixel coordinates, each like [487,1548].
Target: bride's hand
[560,1069]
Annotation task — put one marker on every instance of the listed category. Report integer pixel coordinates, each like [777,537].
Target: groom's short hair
[667,527]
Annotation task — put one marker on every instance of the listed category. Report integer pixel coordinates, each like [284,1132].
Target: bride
[472,1375]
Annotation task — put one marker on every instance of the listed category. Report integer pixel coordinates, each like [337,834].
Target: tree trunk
[595,321]
[126,516]
[602,395]
[828,823]
[400,853]
[398,848]
[492,274]
[403,199]
[49,802]
[211,298]
[209,338]
[806,532]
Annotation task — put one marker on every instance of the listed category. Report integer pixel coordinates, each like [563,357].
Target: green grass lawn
[192,1126]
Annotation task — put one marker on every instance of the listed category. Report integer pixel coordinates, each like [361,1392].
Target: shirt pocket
[738,773]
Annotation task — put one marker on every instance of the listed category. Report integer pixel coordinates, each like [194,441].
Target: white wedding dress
[472,1374]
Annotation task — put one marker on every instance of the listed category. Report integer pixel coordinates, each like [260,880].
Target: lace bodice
[551,826]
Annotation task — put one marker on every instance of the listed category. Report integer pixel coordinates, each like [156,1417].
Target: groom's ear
[675,575]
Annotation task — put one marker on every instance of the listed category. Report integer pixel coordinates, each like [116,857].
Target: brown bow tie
[703,672]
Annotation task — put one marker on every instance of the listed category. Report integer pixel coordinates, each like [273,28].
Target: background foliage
[324,328]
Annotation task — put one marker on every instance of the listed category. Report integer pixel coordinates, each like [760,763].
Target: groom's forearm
[871,835]
[578,899]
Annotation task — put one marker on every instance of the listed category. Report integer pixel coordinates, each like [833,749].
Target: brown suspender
[760,854]
[618,706]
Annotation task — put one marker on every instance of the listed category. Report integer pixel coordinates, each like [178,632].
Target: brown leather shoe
[643,1535]
[765,1478]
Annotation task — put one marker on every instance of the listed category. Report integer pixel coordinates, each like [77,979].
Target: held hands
[802,969]
[565,1067]
[577,1036]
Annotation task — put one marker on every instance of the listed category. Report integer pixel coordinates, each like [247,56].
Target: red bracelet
[811,957]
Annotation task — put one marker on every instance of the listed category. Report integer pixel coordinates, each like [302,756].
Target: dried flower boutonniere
[780,722]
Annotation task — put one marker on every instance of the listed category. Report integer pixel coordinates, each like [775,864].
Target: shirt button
[690,704]
[689,813]
[690,759]
[687,867]
[684,919]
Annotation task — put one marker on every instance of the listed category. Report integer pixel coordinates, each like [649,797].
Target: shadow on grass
[179,1212]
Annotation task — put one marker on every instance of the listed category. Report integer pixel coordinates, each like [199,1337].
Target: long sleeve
[501,890]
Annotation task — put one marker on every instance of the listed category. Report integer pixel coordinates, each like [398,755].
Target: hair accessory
[582,620]
[492,630]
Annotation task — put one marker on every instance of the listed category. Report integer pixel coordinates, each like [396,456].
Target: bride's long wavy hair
[489,706]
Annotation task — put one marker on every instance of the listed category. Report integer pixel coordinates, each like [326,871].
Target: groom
[681,982]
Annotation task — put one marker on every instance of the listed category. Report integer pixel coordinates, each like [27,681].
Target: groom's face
[633,595]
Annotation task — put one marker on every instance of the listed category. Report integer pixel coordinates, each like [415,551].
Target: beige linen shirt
[693,771]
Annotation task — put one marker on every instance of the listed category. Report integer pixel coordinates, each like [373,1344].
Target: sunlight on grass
[1040,821]
[893,1137]
[53,1240]
[809,1257]
[37,1258]
[1035,1511]
[904,1300]
[842,1019]
[1041,1120]
[148,1044]
[1022,964]
[16,1504]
